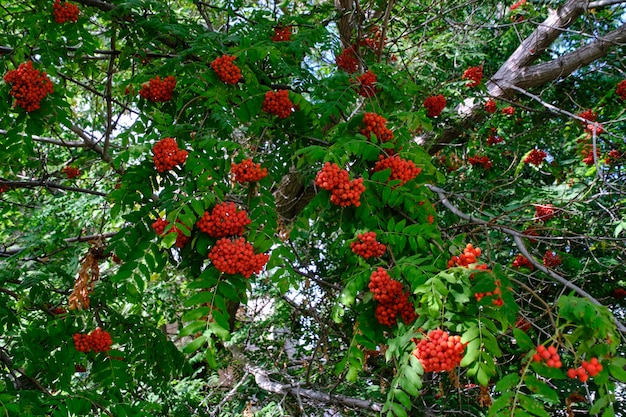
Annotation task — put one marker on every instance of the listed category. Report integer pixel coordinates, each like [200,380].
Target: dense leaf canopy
[230,207]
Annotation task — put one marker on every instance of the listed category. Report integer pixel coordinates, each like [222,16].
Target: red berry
[375,124]
[278,103]
[347,60]
[158,90]
[282,34]
[366,84]
[401,169]
[474,74]
[434,105]
[29,86]
[226,70]
[65,12]
[223,221]
[233,256]
[167,155]
[248,171]
[367,246]
[535,157]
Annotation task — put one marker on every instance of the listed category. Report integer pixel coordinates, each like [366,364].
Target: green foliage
[191,340]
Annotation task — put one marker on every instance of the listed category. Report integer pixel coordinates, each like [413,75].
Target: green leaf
[542,389]
[507,382]
[193,327]
[523,341]
[195,344]
[599,405]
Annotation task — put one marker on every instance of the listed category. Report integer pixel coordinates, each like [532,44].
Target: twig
[517,238]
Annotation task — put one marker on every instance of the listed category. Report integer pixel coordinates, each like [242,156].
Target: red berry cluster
[336,180]
[347,60]
[391,299]
[71,172]
[619,293]
[620,90]
[548,355]
[377,125]
[522,324]
[248,171]
[98,340]
[167,155]
[282,34]
[226,70]
[65,12]
[434,105]
[468,259]
[278,103]
[158,90]
[589,115]
[520,261]
[481,160]
[544,212]
[594,128]
[491,106]
[535,157]
[401,169]
[237,256]
[474,74]
[493,138]
[30,86]
[159,227]
[551,259]
[373,41]
[439,351]
[366,84]
[498,301]
[224,220]
[367,246]
[4,188]
[508,110]
[613,155]
[586,370]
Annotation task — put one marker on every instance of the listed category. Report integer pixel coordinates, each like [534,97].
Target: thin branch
[48,184]
[517,237]
[6,252]
[262,379]
[72,144]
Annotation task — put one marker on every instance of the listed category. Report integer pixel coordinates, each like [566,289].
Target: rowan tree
[312,208]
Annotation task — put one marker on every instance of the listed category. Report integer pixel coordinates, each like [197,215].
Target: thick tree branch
[517,238]
[561,67]
[262,379]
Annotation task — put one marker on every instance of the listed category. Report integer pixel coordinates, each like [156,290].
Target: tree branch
[517,238]
[561,67]
[6,252]
[73,144]
[262,379]
[48,184]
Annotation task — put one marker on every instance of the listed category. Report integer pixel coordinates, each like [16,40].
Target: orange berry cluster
[474,75]
[237,256]
[282,34]
[347,60]
[224,220]
[367,246]
[336,180]
[586,370]
[30,86]
[613,155]
[248,171]
[483,160]
[588,157]
[71,172]
[401,169]
[377,125]
[167,155]
[468,258]
[498,301]
[520,261]
[493,138]
[620,90]
[366,84]
[535,157]
[159,90]
[491,106]
[278,103]
[391,299]
[226,70]
[159,227]
[439,351]
[98,340]
[434,105]
[551,259]
[544,212]
[65,12]
[548,355]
